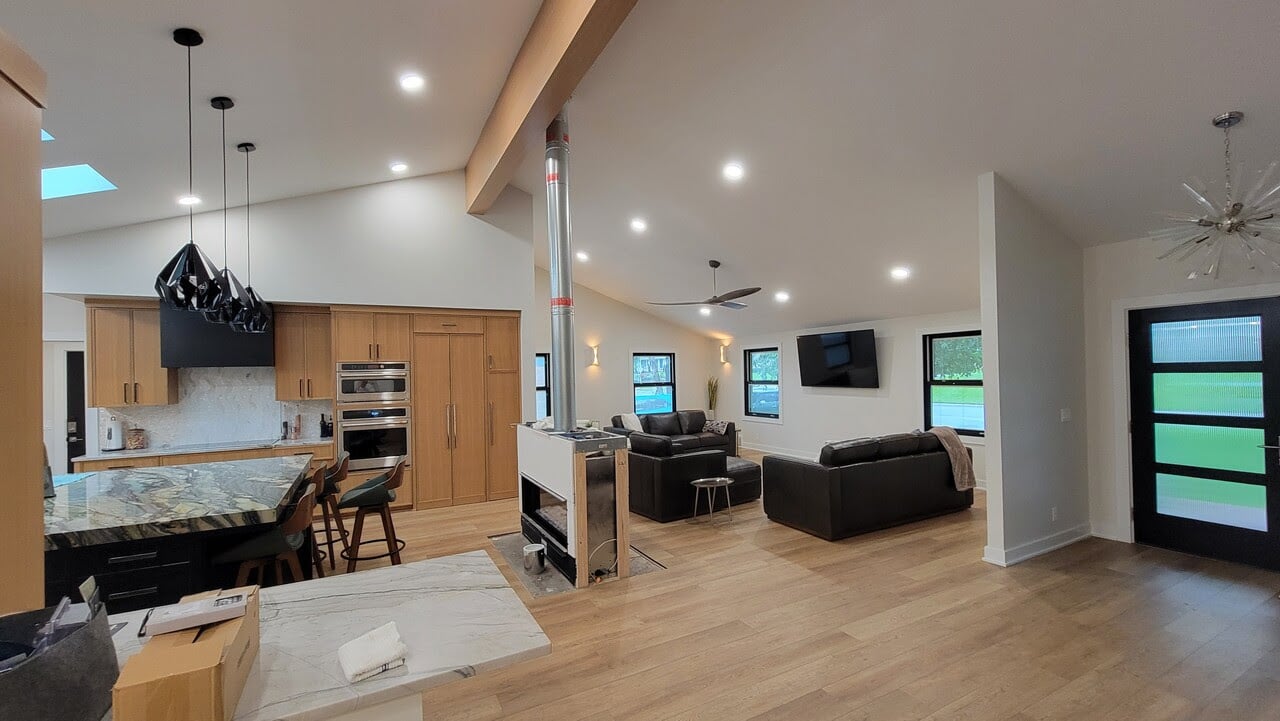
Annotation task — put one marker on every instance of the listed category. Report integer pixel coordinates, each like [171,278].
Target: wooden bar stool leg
[337,519]
[295,568]
[315,556]
[389,531]
[242,576]
[328,534]
[353,549]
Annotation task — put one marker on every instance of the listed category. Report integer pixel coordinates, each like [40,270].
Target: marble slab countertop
[203,448]
[135,503]
[457,614]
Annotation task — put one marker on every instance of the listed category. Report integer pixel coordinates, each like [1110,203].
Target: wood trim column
[22,92]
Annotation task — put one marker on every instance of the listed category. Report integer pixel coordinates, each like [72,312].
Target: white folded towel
[369,655]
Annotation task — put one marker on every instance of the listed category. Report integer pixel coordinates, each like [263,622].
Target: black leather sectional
[679,432]
[863,485]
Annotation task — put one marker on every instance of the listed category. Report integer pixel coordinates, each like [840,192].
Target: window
[953,394]
[653,377]
[761,378]
[542,384]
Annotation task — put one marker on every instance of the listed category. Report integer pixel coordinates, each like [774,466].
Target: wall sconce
[595,355]
[723,359]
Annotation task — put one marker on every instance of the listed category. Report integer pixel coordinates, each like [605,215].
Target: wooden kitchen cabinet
[111,464]
[450,419]
[123,358]
[502,343]
[304,358]
[366,336]
[503,392]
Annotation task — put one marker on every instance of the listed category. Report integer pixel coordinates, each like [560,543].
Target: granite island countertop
[135,503]
[203,448]
[457,615]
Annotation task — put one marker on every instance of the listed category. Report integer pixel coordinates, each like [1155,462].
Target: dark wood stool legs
[333,517]
[394,544]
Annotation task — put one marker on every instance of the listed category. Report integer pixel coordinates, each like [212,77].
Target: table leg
[728,503]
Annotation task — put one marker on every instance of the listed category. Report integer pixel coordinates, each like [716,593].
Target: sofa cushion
[898,445]
[719,428]
[630,421]
[847,452]
[691,422]
[662,424]
[683,443]
[712,440]
[650,445]
[929,443]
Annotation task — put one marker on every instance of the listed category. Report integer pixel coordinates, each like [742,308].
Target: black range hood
[187,340]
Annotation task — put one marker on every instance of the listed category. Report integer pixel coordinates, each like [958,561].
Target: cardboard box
[194,675]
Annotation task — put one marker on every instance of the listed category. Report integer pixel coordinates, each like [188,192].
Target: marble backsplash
[219,405]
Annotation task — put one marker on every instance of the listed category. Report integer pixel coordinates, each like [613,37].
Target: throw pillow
[720,427]
[631,422]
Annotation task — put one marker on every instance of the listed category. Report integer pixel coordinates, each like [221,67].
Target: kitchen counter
[137,503]
[203,448]
[457,614]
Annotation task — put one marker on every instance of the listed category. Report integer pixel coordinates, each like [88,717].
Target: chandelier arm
[1252,197]
[1193,250]
[1190,242]
[1201,199]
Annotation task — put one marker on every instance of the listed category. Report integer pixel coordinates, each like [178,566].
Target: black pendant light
[255,313]
[185,283]
[227,293]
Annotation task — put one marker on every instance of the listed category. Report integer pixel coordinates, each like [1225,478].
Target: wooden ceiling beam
[565,39]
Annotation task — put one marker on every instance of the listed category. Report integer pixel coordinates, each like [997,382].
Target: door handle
[308,387]
[135,391]
[490,420]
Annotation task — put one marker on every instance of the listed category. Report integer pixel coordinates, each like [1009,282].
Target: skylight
[45,136]
[72,180]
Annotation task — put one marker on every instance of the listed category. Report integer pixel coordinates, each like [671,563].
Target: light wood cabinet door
[320,369]
[112,464]
[470,419]
[502,343]
[353,336]
[503,391]
[291,356]
[432,439]
[110,352]
[154,385]
[392,336]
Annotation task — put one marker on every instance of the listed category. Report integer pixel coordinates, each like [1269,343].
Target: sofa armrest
[650,444]
[660,485]
[731,432]
[619,431]
[798,493]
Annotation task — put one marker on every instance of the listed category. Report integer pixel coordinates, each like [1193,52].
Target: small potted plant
[713,394]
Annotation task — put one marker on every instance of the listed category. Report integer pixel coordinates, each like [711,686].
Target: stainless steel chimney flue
[563,391]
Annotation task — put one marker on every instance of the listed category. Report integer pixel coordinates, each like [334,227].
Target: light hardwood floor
[754,620]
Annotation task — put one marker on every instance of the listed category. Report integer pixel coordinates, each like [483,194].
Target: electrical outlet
[1053,514]
[1064,414]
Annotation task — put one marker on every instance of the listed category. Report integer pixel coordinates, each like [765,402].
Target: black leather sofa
[660,484]
[863,485]
[679,432]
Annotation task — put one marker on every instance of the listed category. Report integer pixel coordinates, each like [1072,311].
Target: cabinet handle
[135,391]
[132,558]
[148,591]
[126,393]
[308,387]
[448,325]
[370,351]
[490,361]
[300,392]
[491,422]
[448,428]
[377,347]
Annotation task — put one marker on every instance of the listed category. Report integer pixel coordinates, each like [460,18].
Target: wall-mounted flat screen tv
[844,359]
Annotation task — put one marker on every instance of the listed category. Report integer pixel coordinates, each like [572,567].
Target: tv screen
[187,340]
[845,359]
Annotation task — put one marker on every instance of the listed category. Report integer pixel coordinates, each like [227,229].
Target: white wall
[811,417]
[1033,351]
[620,330]
[405,242]
[63,318]
[1120,277]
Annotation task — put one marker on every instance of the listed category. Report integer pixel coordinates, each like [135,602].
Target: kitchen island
[147,534]
[457,615]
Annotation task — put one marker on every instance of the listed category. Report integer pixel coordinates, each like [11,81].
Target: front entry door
[1205,400]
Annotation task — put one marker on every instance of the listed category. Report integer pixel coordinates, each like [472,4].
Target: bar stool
[279,546]
[374,496]
[327,499]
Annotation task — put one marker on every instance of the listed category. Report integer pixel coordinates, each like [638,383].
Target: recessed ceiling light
[188,200]
[582,256]
[638,225]
[782,296]
[412,82]
[733,171]
[398,167]
[704,310]
[900,272]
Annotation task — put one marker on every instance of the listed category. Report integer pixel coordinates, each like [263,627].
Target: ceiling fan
[724,300]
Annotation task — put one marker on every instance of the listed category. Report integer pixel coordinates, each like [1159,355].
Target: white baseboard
[1038,547]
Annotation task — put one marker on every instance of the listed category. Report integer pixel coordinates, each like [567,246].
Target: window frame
[635,385]
[747,382]
[929,381]
[547,375]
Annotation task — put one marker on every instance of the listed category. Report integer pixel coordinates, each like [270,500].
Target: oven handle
[373,424]
[373,375]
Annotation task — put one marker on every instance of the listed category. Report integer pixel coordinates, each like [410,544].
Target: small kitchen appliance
[115,434]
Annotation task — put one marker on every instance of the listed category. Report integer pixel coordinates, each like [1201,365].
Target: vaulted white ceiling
[864,125]
[315,84]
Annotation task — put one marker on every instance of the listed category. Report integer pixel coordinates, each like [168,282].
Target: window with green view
[953,394]
[653,380]
[761,393]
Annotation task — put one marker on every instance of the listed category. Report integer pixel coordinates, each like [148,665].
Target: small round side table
[710,485]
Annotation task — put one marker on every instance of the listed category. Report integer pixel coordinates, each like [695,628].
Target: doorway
[1205,414]
[65,427]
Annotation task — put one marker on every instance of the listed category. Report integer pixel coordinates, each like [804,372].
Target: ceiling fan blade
[732,304]
[687,302]
[734,295]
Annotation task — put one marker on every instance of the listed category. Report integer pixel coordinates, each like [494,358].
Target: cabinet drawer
[318,453]
[112,464]
[145,587]
[448,324]
[76,564]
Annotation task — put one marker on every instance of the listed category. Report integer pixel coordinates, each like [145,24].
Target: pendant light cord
[191,213]
[225,260]
[248,242]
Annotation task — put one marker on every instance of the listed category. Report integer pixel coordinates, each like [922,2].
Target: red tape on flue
[561,302]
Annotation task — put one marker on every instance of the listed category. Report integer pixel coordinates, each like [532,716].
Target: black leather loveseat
[863,485]
[681,432]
